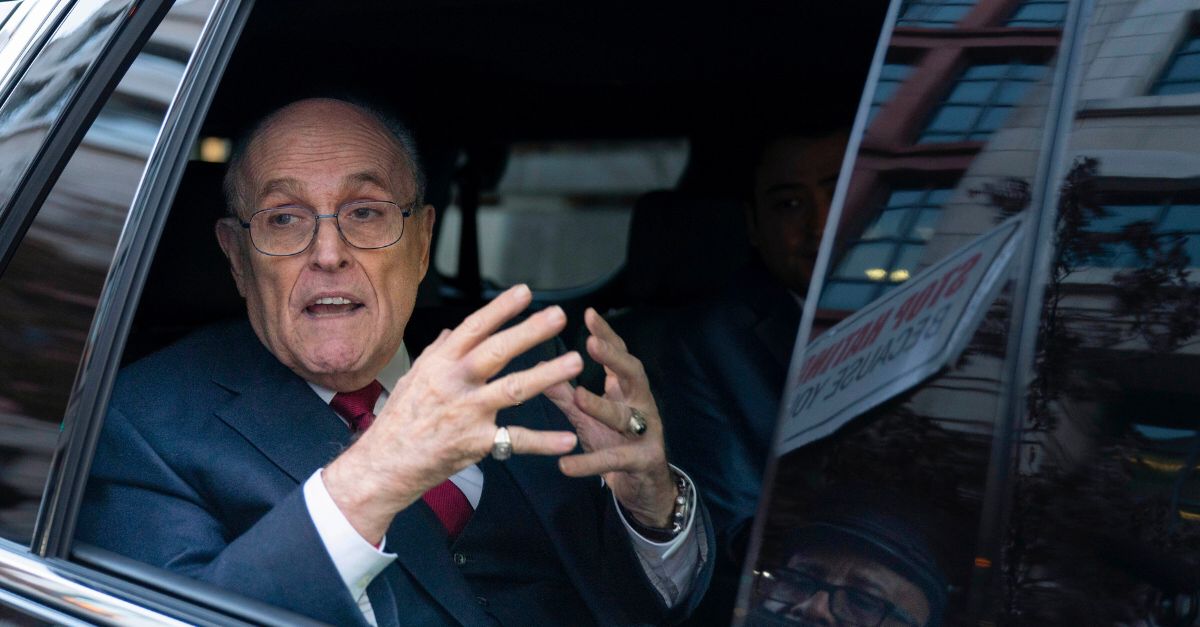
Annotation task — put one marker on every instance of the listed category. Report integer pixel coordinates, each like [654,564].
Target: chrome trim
[19,603]
[31,585]
[131,263]
[24,34]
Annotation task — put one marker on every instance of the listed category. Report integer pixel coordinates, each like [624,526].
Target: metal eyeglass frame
[405,213]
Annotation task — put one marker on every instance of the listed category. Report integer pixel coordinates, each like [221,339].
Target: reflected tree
[1085,546]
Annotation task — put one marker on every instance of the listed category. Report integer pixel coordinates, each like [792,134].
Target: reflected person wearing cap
[462,496]
[865,557]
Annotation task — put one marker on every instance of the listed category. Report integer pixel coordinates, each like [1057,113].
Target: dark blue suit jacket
[200,466]
[721,392]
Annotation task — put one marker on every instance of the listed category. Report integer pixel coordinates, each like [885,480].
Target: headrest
[683,247]
[189,282]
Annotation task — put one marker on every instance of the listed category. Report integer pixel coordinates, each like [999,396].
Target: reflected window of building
[934,13]
[1165,463]
[1182,75]
[1039,14]
[887,252]
[891,75]
[980,101]
[1169,223]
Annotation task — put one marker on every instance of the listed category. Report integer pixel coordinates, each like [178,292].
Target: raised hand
[633,466]
[441,415]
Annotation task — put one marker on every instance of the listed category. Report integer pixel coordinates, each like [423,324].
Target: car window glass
[40,98]
[1106,497]
[57,272]
[886,442]
[6,10]
[559,216]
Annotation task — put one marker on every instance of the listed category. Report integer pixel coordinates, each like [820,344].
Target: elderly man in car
[301,459]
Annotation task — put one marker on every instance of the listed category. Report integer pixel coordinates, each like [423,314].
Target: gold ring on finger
[637,422]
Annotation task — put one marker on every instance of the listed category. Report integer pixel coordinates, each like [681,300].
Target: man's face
[333,313]
[793,188]
[862,576]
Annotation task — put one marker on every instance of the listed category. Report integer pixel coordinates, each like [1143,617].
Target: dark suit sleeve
[137,505]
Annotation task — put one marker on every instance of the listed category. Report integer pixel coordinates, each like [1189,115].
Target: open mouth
[332,306]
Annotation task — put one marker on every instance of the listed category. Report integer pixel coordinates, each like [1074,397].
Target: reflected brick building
[955,74]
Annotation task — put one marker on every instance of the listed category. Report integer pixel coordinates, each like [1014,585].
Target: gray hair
[234,183]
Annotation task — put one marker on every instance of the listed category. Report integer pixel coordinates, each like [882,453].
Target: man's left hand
[633,466]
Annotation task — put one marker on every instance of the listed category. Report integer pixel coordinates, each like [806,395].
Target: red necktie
[357,407]
[445,499]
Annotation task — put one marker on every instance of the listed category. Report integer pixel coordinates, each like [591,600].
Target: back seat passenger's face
[793,189]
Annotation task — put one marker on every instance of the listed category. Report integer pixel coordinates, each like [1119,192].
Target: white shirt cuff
[357,561]
[671,565]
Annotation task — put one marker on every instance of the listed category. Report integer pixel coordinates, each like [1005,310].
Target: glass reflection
[1108,486]
[980,101]
[1182,76]
[891,75]
[1039,14]
[934,13]
[6,10]
[37,102]
[889,249]
[930,176]
[57,272]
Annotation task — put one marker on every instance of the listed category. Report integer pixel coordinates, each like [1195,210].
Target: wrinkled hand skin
[441,416]
[634,467]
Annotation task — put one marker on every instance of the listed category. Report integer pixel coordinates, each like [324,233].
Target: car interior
[603,153]
[480,82]
[606,146]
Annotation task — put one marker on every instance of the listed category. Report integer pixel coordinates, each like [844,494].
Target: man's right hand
[441,416]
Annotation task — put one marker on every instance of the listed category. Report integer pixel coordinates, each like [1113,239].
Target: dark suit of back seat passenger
[683,248]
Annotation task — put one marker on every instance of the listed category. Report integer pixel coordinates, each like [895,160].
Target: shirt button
[460,559]
[481,601]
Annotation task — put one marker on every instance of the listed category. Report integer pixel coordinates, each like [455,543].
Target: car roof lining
[525,69]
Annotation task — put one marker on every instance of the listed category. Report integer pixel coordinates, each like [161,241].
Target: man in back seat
[730,356]
[301,458]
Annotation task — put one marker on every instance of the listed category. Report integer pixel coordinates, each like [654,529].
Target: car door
[99,107]
[1044,472]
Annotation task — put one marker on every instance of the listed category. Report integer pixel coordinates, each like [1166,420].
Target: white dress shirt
[670,566]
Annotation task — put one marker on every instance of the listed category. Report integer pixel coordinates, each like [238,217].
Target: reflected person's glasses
[782,590]
[290,230]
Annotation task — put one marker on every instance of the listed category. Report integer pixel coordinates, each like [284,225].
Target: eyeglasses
[782,590]
[290,230]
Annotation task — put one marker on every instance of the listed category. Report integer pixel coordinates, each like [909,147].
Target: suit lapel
[777,331]
[776,318]
[278,413]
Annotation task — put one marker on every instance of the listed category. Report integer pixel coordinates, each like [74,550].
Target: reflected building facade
[1085,508]
[953,98]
